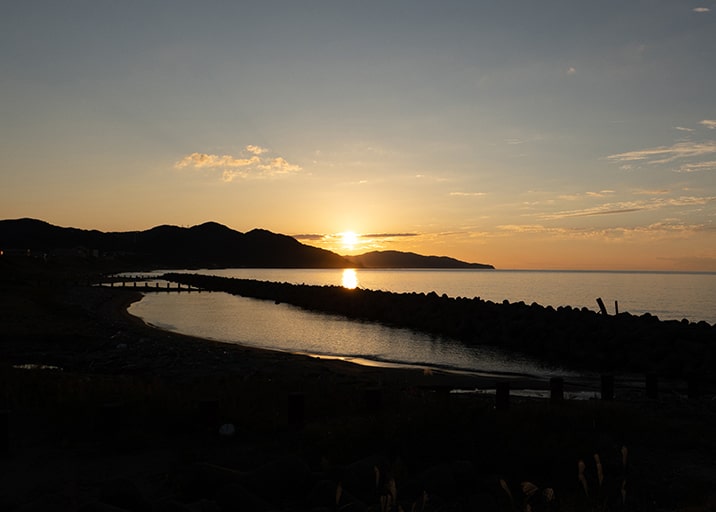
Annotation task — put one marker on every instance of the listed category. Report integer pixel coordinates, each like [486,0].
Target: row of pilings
[147,284]
[579,338]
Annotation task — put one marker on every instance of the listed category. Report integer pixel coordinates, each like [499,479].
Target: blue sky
[554,134]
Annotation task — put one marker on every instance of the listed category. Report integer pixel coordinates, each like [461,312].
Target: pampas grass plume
[528,488]
[506,488]
[600,472]
[625,453]
[580,468]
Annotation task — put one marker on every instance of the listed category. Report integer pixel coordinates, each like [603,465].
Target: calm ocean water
[283,327]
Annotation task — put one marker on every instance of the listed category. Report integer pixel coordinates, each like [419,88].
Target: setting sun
[349,239]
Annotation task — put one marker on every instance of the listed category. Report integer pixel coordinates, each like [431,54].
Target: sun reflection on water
[350,278]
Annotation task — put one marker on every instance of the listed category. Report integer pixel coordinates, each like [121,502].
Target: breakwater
[580,338]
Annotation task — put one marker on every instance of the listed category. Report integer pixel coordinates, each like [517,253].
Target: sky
[528,135]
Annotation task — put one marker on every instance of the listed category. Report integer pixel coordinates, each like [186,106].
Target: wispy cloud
[525,228]
[468,194]
[652,192]
[580,196]
[590,212]
[332,236]
[309,236]
[698,167]
[256,150]
[617,234]
[709,123]
[629,207]
[701,9]
[207,161]
[390,235]
[666,154]
[251,164]
[683,129]
[571,70]
[601,193]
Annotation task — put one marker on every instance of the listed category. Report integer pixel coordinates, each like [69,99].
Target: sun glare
[350,278]
[349,239]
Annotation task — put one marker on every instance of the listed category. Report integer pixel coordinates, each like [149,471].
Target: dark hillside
[205,245]
[396,259]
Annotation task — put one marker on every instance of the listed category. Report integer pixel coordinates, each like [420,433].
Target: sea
[264,324]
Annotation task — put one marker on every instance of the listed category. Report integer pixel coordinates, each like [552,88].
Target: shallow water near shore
[264,324]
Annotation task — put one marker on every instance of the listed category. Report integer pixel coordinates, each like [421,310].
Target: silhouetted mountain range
[205,245]
[397,259]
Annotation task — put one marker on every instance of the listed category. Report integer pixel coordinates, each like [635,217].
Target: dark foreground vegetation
[578,338]
[131,418]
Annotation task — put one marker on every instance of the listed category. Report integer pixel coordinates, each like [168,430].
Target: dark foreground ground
[138,419]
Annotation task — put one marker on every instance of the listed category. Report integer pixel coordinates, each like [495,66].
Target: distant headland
[208,245]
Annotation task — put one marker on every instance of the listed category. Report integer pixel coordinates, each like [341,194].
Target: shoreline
[386,371]
[345,366]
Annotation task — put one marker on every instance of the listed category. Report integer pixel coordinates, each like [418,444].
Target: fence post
[602,307]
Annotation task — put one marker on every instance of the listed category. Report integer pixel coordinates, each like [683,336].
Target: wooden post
[607,387]
[616,307]
[502,396]
[556,389]
[652,386]
[602,307]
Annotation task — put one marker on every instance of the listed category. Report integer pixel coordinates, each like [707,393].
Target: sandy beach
[134,418]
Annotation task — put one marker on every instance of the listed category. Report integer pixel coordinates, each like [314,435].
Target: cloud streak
[468,194]
[698,167]
[251,164]
[666,154]
[329,236]
[630,207]
[650,232]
